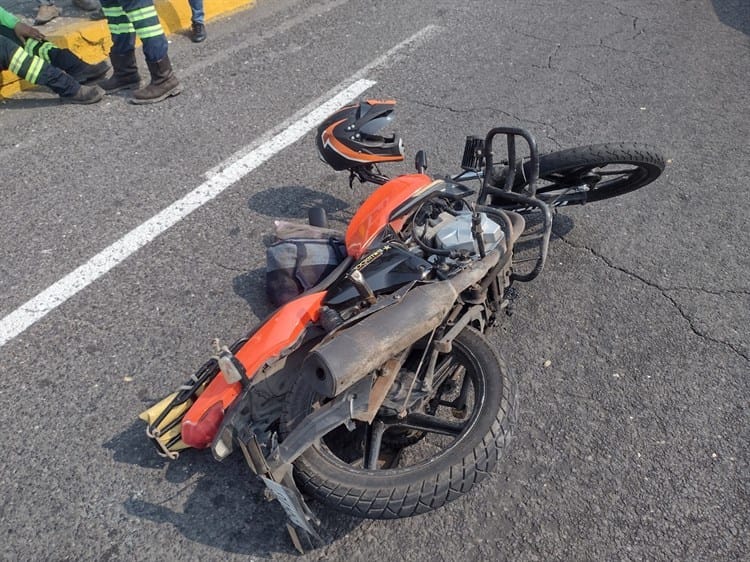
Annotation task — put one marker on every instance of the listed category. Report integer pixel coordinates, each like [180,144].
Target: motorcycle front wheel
[608,170]
[434,454]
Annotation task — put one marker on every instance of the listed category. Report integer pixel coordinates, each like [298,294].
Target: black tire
[608,169]
[401,491]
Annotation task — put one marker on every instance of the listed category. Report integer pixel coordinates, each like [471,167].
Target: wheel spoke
[432,424]
[460,402]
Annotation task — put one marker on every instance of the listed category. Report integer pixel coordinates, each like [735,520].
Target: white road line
[52,297]
[224,176]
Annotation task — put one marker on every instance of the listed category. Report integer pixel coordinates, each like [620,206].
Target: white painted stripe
[52,297]
[219,179]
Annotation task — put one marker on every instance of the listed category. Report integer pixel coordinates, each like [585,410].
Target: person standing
[198,29]
[26,53]
[126,19]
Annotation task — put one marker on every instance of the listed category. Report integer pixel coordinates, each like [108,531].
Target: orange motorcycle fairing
[375,212]
[282,329]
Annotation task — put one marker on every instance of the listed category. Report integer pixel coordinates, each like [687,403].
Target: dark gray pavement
[27,10]
[633,444]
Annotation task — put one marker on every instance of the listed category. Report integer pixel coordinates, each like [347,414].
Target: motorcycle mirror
[420,161]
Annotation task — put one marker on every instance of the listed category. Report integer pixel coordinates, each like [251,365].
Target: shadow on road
[293,202]
[734,13]
[225,507]
[527,249]
[251,287]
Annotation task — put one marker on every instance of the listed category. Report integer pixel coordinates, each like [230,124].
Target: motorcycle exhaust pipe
[353,353]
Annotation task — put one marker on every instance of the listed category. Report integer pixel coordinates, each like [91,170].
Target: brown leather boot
[125,75]
[85,95]
[163,83]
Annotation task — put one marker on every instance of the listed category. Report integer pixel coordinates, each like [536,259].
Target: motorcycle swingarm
[276,469]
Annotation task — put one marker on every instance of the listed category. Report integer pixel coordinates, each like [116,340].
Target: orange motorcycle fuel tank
[376,212]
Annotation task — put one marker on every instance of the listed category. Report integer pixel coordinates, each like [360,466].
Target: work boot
[125,75]
[163,83]
[198,32]
[46,13]
[85,95]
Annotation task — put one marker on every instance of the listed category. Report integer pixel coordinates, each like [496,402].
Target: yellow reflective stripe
[151,31]
[44,51]
[18,58]
[38,48]
[36,67]
[113,12]
[121,28]
[142,14]
[30,45]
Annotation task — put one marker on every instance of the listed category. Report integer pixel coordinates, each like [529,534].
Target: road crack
[489,110]
[665,293]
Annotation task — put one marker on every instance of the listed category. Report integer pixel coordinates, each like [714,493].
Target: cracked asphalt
[697,326]
[631,350]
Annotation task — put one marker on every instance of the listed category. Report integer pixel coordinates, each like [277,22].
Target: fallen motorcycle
[373,387]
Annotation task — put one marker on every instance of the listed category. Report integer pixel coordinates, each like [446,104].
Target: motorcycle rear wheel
[405,482]
[620,167]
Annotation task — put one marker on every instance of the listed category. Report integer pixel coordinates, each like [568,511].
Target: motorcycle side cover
[201,421]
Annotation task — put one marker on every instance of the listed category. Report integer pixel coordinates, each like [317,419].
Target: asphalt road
[632,444]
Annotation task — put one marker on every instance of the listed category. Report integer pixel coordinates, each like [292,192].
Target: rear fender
[277,334]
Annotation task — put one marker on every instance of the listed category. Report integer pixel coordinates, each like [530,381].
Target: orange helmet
[350,137]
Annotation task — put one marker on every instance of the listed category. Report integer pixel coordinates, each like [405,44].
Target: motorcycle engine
[453,232]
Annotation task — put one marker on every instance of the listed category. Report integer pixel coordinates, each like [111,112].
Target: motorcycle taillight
[200,434]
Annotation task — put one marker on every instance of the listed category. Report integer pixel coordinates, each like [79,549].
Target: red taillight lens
[200,434]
